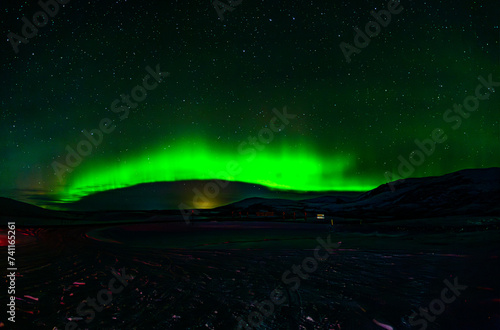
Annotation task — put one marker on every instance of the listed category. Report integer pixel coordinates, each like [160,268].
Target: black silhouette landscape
[393,249]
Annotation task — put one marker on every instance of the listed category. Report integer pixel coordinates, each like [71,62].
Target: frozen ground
[206,275]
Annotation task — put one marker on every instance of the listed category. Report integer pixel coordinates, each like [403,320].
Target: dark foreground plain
[213,274]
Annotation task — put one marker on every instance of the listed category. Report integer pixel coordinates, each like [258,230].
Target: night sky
[221,80]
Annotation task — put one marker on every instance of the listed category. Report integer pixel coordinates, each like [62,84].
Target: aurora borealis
[352,120]
[267,168]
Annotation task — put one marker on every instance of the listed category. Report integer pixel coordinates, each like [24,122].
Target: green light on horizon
[284,169]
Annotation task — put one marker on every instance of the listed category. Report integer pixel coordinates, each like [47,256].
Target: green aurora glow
[354,120]
[298,170]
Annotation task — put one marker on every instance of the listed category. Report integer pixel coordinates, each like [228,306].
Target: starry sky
[221,80]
